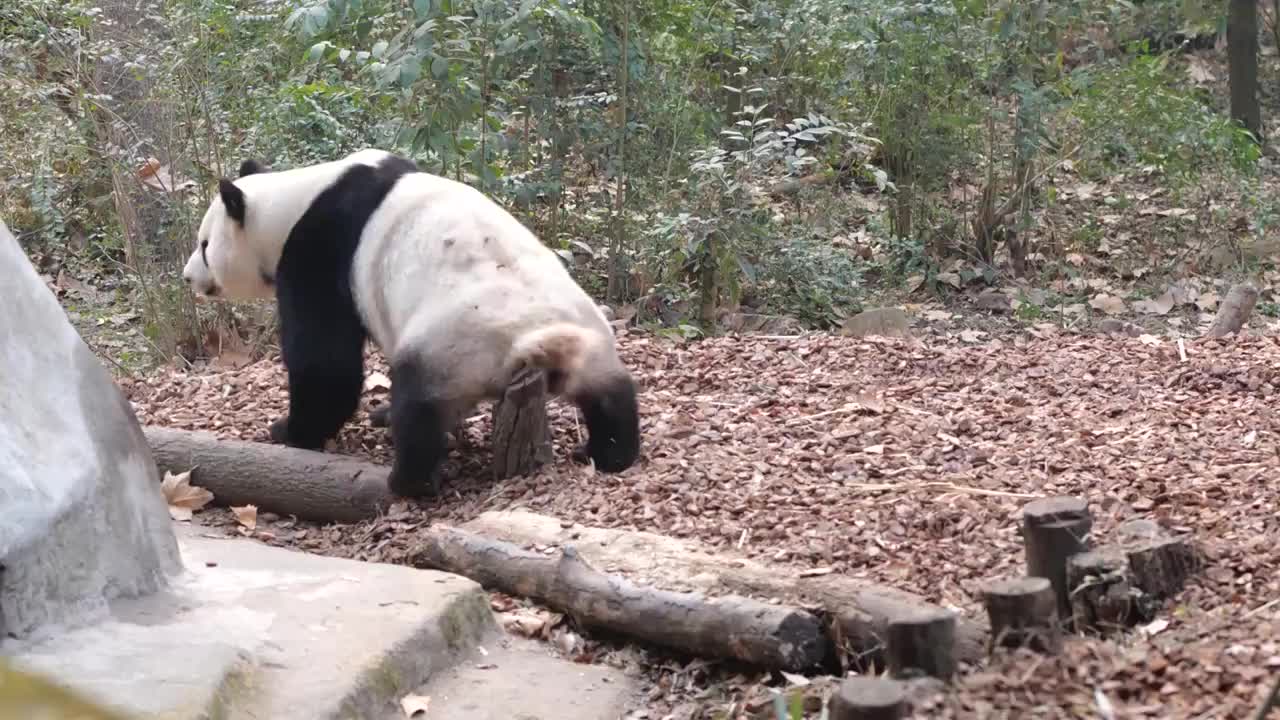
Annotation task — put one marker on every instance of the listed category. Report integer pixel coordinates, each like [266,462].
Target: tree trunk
[1242,55]
[617,264]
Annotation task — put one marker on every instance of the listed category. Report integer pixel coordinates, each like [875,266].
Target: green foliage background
[894,101]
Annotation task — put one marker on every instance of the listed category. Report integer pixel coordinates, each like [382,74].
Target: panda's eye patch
[204,247]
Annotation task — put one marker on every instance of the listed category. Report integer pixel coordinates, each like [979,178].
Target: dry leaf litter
[896,461]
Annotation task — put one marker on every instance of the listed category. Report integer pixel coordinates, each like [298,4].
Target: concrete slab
[256,632]
[518,679]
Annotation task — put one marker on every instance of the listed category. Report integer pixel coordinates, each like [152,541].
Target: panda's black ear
[232,199]
[251,166]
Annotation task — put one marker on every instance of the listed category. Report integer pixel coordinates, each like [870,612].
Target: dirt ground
[900,461]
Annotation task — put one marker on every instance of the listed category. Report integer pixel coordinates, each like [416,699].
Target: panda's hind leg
[420,416]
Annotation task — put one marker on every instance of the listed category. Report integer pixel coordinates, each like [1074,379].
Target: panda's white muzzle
[198,277]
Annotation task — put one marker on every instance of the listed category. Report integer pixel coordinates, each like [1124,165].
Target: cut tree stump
[1102,598]
[738,628]
[861,611]
[922,642]
[1234,311]
[1023,612]
[283,480]
[1124,582]
[1054,529]
[869,698]
[521,436]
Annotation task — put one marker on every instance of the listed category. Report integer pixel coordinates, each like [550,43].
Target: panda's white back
[442,267]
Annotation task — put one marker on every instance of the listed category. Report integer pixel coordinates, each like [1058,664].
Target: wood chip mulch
[907,463]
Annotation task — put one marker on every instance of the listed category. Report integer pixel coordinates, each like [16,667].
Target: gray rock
[889,322]
[994,301]
[82,520]
[1112,326]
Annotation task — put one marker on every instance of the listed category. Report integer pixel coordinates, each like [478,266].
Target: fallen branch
[795,185]
[287,481]
[862,611]
[771,636]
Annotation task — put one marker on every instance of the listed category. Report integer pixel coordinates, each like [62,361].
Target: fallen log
[283,480]
[863,611]
[738,628]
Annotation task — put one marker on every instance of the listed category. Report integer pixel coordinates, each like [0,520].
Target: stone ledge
[253,631]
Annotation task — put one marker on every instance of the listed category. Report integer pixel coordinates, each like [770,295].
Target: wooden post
[922,642]
[1023,612]
[1234,311]
[869,698]
[1102,596]
[521,437]
[1054,529]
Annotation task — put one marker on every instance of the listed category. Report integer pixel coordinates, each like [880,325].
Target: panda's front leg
[325,364]
[279,430]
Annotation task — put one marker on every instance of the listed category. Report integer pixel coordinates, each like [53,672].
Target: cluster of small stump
[1070,585]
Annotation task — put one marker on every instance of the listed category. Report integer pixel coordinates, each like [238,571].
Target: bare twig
[1270,702]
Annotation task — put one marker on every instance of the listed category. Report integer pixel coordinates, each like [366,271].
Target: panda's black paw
[581,454]
[405,486]
[380,416]
[279,431]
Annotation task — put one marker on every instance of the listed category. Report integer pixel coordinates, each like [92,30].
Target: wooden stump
[1023,613]
[1102,598]
[1234,311]
[1124,582]
[1160,567]
[1054,529]
[922,642]
[869,698]
[521,437]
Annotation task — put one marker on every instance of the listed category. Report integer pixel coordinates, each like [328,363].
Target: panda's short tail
[563,348]
[580,364]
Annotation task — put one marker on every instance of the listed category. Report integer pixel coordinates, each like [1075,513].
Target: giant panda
[456,292]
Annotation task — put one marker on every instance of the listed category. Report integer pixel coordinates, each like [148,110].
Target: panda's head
[225,262]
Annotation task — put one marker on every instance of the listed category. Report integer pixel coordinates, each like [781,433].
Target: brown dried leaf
[377,382]
[950,278]
[183,497]
[1109,304]
[529,622]
[1200,70]
[1208,301]
[1159,306]
[415,706]
[247,516]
